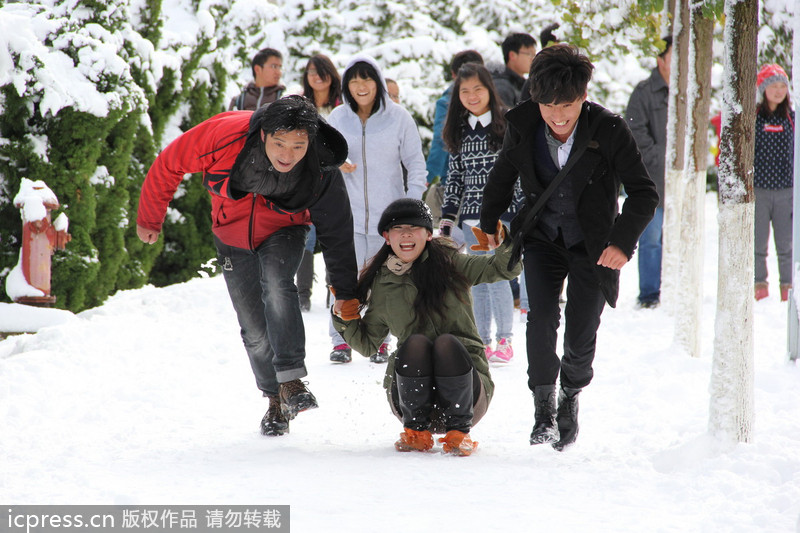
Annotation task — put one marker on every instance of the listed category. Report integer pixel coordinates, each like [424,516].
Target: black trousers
[547,264]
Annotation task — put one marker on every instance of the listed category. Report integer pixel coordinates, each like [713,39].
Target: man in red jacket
[270,174]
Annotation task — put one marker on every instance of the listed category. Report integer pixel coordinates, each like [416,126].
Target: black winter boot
[567,417]
[544,427]
[416,401]
[274,423]
[454,395]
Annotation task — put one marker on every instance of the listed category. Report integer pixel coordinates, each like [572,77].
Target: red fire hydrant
[40,238]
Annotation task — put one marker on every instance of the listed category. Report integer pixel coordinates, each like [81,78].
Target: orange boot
[458,443]
[411,439]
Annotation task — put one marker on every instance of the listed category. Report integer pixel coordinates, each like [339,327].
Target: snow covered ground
[149,400]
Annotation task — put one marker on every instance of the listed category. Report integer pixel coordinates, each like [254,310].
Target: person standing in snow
[270,174]
[473,134]
[647,119]
[266,86]
[438,381]
[438,157]
[382,138]
[518,52]
[323,86]
[576,233]
[773,177]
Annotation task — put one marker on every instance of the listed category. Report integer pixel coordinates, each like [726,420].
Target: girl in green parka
[418,288]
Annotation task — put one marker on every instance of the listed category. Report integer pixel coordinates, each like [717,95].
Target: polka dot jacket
[774,154]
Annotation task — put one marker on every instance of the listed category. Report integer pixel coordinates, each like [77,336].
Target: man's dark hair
[514,42]
[362,69]
[262,56]
[668,44]
[291,113]
[465,56]
[559,73]
[326,70]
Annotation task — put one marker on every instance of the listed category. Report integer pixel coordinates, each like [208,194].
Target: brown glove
[349,310]
[483,240]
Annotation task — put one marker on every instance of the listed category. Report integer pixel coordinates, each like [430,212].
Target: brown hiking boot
[295,398]
[274,423]
[458,443]
[411,440]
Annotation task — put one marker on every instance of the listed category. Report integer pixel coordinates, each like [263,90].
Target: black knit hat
[406,211]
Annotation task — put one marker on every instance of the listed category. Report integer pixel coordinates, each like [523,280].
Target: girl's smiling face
[474,96]
[407,241]
[364,91]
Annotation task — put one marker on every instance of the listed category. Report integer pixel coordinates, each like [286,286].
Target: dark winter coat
[391,309]
[611,159]
[773,166]
[647,119]
[509,86]
[228,150]
[253,97]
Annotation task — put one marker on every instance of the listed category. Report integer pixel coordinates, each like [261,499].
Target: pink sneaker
[504,352]
[489,352]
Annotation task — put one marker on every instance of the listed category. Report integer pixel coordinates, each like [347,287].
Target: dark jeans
[261,286]
[546,265]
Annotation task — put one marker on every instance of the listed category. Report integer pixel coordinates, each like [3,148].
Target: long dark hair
[457,114]
[362,69]
[426,275]
[784,109]
[326,70]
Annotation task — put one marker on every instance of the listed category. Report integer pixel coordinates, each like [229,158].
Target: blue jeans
[490,300]
[650,259]
[261,286]
[311,240]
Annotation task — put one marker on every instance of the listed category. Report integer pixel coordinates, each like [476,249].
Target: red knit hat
[770,74]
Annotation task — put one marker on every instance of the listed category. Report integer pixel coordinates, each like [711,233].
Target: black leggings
[444,357]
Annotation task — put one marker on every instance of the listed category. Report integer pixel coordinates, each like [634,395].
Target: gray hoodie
[378,149]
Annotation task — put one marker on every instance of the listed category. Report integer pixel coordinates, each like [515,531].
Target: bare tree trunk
[689,290]
[676,124]
[731,404]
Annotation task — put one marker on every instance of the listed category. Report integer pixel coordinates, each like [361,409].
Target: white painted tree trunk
[689,290]
[673,179]
[793,345]
[731,406]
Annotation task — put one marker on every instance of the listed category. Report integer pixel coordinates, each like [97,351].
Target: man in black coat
[579,233]
[518,52]
[647,119]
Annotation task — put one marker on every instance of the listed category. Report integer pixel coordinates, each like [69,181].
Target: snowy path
[150,400]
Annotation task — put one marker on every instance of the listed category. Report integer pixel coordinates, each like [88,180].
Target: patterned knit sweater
[774,155]
[467,173]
